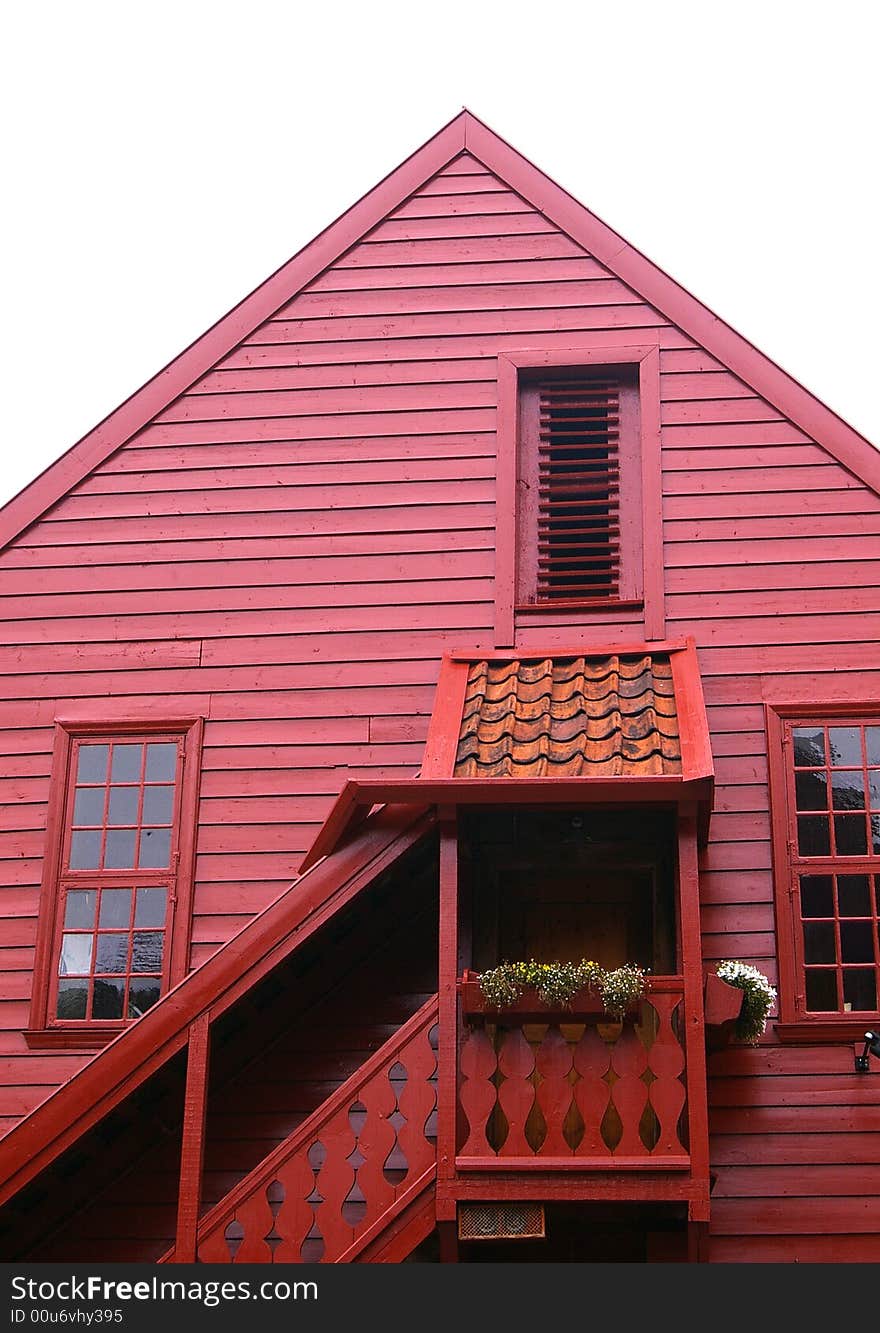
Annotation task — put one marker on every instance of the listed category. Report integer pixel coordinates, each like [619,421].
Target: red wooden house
[470,593]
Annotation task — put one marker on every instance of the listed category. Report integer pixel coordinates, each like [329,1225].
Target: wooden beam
[192,1148]
[694,1023]
[447,1054]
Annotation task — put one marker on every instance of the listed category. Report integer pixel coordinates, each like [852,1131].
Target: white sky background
[159,161]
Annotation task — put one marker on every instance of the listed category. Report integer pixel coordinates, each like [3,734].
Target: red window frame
[827,896]
[60,877]
[641,589]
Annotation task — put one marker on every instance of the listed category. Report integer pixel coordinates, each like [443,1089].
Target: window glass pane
[88,808]
[126,764]
[155,847]
[856,942]
[872,744]
[143,994]
[91,763]
[108,998]
[146,954]
[115,908]
[821,991]
[860,987]
[72,996]
[811,791]
[120,847]
[85,850]
[123,805]
[845,744]
[819,943]
[853,895]
[112,953]
[809,746]
[76,955]
[150,907]
[162,762]
[79,909]
[158,805]
[874,821]
[817,895]
[848,790]
[874,788]
[813,836]
[850,835]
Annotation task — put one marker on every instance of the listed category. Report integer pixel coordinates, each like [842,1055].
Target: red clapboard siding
[290,546]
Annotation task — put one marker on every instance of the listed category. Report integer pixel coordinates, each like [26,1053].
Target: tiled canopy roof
[570,717]
[553,728]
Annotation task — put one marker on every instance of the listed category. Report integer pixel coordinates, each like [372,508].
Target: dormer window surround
[578,519]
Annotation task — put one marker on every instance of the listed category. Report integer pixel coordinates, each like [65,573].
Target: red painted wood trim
[447,1053]
[577,1165]
[505,501]
[192,1148]
[144,1047]
[223,336]
[665,788]
[381,1225]
[441,745]
[694,1020]
[696,747]
[653,574]
[623,1186]
[675,302]
[343,814]
[785,952]
[46,911]
[626,648]
[401,1236]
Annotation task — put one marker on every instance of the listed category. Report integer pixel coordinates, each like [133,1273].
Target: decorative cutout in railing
[338,1180]
[557,1093]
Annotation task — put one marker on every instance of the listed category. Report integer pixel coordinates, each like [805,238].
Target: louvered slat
[578,490]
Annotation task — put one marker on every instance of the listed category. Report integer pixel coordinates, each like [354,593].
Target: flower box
[586,1003]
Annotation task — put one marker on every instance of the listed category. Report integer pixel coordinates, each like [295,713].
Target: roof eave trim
[279,288]
[682,308]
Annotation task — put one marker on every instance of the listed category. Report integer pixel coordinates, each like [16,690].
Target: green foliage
[557,983]
[758,1001]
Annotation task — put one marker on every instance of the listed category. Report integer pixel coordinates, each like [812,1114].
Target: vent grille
[501,1221]
[578,490]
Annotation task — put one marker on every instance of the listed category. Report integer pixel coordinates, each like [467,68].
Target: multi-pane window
[116,876]
[114,926]
[833,806]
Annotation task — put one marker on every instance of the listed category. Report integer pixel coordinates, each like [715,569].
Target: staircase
[336,1016]
[361,1166]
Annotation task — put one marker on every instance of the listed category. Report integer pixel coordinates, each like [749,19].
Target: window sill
[92,1038]
[823,1030]
[585,604]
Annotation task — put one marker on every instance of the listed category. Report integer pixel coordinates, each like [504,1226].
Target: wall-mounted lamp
[872,1047]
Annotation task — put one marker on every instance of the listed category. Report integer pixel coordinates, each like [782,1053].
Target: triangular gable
[464,133]
[140,1050]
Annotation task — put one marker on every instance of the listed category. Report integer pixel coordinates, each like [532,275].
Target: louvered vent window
[578,504]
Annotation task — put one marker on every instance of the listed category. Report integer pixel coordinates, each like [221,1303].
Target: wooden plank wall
[292,544]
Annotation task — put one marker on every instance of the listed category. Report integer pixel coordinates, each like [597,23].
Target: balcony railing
[564,1089]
